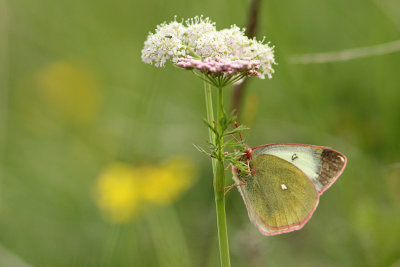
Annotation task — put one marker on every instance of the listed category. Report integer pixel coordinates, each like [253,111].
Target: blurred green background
[75,98]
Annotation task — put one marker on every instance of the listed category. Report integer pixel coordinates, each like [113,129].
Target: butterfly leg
[229,165]
[229,188]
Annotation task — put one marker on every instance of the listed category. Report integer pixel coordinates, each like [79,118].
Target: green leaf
[240,128]
[201,150]
[211,127]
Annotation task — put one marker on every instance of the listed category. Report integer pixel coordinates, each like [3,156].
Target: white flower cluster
[198,38]
[165,44]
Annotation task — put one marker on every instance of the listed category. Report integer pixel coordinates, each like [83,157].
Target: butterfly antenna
[240,135]
[235,138]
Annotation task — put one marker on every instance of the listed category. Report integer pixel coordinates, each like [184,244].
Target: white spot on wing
[283,186]
[341,158]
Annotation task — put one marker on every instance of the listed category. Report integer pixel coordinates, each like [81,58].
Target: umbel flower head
[219,57]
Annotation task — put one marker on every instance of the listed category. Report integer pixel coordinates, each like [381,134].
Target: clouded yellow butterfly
[283,188]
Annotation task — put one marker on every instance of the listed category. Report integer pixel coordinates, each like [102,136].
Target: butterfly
[282,189]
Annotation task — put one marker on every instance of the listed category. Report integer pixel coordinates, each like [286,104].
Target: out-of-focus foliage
[75,100]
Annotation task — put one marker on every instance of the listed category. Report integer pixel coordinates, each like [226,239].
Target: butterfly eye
[294,156]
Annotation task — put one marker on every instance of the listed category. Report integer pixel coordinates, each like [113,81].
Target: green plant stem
[210,119]
[219,173]
[219,189]
[221,217]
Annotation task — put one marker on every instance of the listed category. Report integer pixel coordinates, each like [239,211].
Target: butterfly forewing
[321,164]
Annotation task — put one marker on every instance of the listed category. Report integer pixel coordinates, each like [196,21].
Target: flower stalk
[219,187]
[218,171]
[221,216]
[210,119]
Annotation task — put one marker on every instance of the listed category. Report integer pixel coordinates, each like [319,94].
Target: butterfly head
[248,153]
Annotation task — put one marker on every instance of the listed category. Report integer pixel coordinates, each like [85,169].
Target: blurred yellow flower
[117,192]
[164,184]
[70,89]
[123,190]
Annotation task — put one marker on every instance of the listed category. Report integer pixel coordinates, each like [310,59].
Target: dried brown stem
[252,23]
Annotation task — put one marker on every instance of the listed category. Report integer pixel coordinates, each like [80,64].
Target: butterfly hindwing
[279,197]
